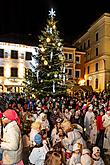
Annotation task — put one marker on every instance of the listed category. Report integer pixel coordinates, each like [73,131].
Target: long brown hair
[53,158]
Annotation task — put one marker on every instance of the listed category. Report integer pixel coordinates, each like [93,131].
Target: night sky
[73,16]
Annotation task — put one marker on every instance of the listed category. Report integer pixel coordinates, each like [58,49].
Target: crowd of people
[55,130]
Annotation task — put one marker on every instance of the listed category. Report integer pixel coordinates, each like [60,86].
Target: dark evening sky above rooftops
[29,16]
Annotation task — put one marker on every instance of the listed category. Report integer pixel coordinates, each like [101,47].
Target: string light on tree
[50,59]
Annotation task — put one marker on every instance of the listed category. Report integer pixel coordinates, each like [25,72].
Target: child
[96,156]
[76,156]
[37,156]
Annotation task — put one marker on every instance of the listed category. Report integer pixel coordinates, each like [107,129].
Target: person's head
[43,116]
[96,151]
[90,108]
[101,112]
[108,113]
[38,139]
[76,148]
[53,159]
[10,115]
[36,125]
[60,132]
[66,125]
[85,151]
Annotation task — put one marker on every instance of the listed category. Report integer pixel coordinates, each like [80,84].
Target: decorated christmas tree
[48,77]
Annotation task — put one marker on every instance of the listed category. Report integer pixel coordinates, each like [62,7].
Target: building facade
[96,43]
[14,59]
[74,67]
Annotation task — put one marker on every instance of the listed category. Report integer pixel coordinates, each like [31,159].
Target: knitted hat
[96,149]
[12,115]
[38,139]
[85,151]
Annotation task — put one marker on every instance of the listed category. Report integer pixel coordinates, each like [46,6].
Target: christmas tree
[48,77]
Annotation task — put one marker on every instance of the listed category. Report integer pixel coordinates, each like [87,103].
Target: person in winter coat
[12,140]
[100,130]
[72,136]
[37,156]
[96,156]
[106,125]
[35,128]
[89,119]
[86,158]
[76,155]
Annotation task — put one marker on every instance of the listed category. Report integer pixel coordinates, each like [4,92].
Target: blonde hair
[67,124]
[36,125]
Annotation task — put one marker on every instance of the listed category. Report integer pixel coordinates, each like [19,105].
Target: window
[28,56]
[97,52]
[84,45]
[88,43]
[84,70]
[70,72]
[14,54]
[1,53]
[81,47]
[14,72]
[88,69]
[77,60]
[96,83]
[96,67]
[70,56]
[66,56]
[97,36]
[77,74]
[87,82]
[1,71]
[65,70]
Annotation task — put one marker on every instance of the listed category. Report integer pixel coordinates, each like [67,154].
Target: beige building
[96,43]
[74,67]
[14,59]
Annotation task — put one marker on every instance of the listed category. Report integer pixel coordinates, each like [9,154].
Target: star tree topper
[52,12]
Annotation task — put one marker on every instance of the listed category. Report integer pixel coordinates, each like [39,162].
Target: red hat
[12,115]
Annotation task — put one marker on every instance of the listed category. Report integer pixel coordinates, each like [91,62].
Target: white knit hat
[76,146]
[96,149]
[85,151]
